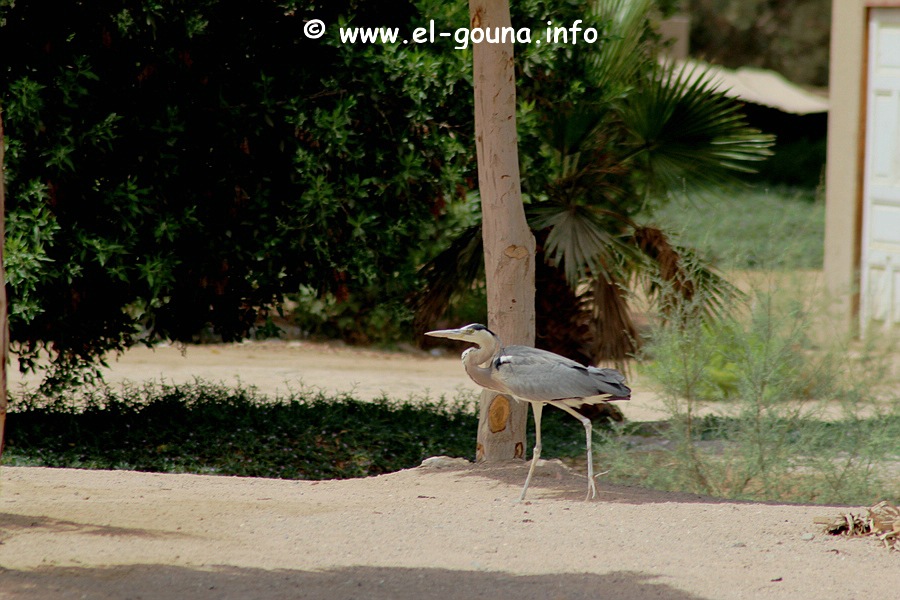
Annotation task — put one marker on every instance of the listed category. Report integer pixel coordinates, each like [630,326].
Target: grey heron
[538,377]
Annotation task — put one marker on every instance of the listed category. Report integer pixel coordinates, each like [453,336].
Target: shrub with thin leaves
[763,406]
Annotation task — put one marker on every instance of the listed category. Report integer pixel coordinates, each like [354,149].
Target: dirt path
[278,368]
[424,533]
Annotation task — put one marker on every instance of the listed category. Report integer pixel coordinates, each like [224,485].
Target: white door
[880,286]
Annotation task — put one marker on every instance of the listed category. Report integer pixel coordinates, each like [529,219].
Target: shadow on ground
[12,524]
[553,480]
[161,582]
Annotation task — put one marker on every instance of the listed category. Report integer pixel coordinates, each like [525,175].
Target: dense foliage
[178,167]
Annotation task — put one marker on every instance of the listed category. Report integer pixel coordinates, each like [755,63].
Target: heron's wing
[534,374]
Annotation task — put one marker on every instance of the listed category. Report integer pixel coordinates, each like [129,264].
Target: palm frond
[683,128]
[451,272]
[679,282]
[579,167]
[562,323]
[615,336]
[578,240]
[572,130]
[617,62]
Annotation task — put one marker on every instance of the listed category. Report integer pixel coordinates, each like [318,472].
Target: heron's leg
[536,407]
[592,487]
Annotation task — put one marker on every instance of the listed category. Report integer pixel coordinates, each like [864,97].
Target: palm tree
[596,156]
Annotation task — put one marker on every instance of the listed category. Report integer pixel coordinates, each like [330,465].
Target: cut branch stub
[498,413]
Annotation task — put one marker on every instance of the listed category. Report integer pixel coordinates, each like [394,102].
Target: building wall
[845,160]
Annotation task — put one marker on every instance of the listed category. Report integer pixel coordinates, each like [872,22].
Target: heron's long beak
[453,334]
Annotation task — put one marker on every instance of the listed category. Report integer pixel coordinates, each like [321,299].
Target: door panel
[880,302]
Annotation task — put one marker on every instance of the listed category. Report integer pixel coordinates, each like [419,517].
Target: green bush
[175,168]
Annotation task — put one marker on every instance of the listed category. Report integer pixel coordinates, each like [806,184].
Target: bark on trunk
[508,242]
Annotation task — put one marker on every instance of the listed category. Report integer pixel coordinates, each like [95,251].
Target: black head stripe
[480,327]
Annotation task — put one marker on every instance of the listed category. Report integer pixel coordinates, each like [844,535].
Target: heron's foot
[592,490]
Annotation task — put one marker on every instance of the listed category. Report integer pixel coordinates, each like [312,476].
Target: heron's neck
[478,365]
[482,355]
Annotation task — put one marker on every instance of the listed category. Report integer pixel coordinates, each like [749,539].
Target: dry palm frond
[614,333]
[882,521]
[451,272]
[561,323]
[683,285]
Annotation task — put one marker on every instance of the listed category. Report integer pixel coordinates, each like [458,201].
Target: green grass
[772,229]
[209,428]
[205,428]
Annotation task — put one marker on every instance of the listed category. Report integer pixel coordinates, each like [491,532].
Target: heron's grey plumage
[538,377]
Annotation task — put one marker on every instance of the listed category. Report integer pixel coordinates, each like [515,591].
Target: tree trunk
[4,326]
[508,242]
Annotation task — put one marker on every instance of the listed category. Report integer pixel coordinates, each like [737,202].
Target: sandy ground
[280,368]
[430,532]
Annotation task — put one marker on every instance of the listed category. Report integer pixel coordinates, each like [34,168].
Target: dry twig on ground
[882,521]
